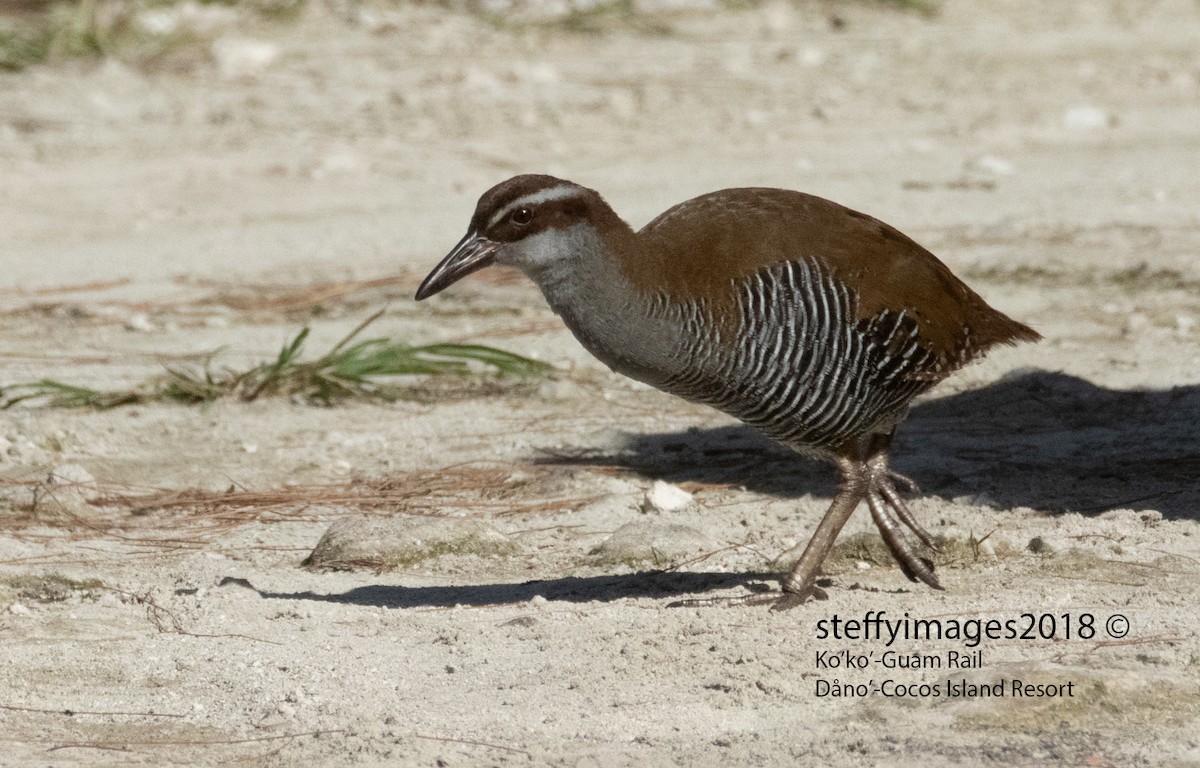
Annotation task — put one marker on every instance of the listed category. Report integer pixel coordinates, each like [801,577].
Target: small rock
[520,621]
[609,511]
[18,610]
[65,491]
[1087,117]
[158,21]
[482,80]
[1147,517]
[664,497]
[1039,546]
[651,541]
[243,57]
[139,322]
[404,541]
[556,389]
[779,17]
[813,57]
[374,22]
[540,73]
[990,165]
[70,475]
[189,16]
[863,565]
[977,500]
[755,118]
[340,162]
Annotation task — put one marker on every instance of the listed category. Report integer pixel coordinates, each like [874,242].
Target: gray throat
[615,322]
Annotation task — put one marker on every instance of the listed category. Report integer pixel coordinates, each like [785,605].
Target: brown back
[702,247]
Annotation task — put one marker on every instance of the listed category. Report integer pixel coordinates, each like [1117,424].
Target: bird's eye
[521,217]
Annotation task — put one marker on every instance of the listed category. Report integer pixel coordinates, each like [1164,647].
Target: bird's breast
[790,357]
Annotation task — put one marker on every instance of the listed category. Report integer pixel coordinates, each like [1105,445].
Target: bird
[811,322]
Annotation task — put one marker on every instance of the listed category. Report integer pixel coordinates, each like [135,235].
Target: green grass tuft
[364,370]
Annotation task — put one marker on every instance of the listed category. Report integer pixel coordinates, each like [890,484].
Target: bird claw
[888,511]
[909,484]
[901,510]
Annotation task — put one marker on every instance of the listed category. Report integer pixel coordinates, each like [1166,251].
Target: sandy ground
[310,171]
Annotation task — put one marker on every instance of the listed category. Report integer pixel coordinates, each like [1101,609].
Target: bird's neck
[618,323]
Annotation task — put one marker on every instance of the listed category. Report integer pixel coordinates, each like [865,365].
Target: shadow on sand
[657,585]
[1035,439]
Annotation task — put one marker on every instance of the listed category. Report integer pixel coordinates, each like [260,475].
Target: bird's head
[531,222]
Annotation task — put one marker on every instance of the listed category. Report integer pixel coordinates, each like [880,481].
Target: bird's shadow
[657,585]
[1037,439]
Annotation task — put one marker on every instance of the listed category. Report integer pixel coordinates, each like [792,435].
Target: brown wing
[704,246]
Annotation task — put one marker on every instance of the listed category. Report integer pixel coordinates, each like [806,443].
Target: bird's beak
[473,253]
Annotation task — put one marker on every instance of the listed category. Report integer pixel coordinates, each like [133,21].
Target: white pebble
[812,57]
[1087,117]
[339,162]
[243,57]
[158,21]
[991,164]
[70,474]
[664,497]
[138,321]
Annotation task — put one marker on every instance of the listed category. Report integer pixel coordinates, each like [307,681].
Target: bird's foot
[874,481]
[889,512]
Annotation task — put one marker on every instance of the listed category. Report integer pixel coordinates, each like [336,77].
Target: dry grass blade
[148,519]
[367,370]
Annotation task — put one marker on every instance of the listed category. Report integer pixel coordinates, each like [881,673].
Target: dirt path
[147,214]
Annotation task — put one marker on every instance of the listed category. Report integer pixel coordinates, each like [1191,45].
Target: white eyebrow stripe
[533,199]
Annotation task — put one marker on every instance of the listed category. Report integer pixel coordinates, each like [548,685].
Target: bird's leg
[800,583]
[870,479]
[888,511]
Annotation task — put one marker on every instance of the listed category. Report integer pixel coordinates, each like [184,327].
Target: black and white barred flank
[801,367]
